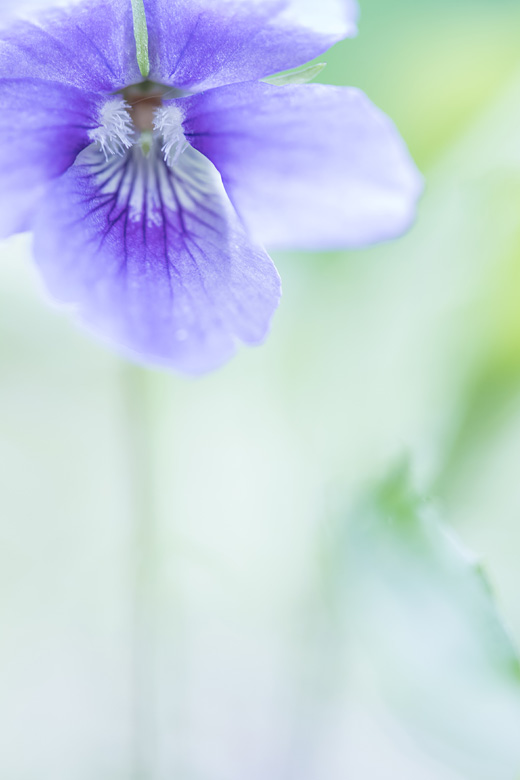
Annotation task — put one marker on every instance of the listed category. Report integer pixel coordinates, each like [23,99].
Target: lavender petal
[197,44]
[42,129]
[155,259]
[308,166]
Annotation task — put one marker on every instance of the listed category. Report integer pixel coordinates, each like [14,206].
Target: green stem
[141,37]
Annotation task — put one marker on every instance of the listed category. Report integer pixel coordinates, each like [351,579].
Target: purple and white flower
[152,196]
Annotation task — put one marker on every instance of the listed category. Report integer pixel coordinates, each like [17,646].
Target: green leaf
[297,76]
[141,37]
[430,630]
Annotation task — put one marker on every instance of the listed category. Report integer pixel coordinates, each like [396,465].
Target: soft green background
[198,580]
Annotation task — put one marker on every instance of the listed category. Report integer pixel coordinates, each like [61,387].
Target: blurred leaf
[431,631]
[492,199]
[303,76]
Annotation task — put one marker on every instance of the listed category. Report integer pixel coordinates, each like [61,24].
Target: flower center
[138,117]
[143,101]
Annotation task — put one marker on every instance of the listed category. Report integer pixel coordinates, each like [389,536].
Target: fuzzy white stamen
[116,132]
[168,123]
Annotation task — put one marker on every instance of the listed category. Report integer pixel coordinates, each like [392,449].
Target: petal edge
[155,263]
[309,166]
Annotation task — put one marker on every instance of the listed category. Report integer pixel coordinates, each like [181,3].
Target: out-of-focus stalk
[142,517]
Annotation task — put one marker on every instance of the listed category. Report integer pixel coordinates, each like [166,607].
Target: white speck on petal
[116,132]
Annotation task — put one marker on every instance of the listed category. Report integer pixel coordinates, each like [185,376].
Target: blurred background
[264,573]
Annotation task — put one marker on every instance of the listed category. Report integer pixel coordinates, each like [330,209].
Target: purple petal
[90,46]
[196,44]
[308,166]
[155,259]
[43,127]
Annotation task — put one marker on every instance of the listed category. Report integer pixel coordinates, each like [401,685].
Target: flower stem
[141,37]
[142,515]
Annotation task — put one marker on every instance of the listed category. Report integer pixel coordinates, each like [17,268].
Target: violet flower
[151,196]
